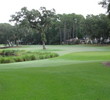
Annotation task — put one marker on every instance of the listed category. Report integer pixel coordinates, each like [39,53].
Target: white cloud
[84,7]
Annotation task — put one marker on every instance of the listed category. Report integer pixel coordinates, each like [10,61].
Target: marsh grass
[10,56]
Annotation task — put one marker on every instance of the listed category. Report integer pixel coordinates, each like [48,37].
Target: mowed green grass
[77,74]
[100,55]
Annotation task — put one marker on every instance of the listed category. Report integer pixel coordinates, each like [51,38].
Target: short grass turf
[75,75]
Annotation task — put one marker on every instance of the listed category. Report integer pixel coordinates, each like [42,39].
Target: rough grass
[78,74]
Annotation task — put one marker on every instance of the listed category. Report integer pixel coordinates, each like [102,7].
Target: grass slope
[77,74]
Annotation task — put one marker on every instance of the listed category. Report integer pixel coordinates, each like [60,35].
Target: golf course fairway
[77,74]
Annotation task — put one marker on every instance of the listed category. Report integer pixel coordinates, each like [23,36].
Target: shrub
[33,57]
[26,58]
[9,56]
[6,60]
[9,52]
[18,59]
[41,57]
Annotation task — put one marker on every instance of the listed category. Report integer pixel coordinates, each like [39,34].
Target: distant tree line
[44,26]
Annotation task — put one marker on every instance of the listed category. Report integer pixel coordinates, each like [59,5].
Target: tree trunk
[65,33]
[43,43]
[73,31]
[9,43]
[60,36]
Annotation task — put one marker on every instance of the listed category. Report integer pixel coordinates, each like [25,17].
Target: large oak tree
[37,19]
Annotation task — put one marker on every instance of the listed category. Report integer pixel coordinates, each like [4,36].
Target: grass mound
[10,56]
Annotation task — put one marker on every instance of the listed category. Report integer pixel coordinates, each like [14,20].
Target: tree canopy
[45,26]
[36,19]
[106,4]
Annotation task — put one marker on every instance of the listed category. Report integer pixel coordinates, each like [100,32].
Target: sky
[84,7]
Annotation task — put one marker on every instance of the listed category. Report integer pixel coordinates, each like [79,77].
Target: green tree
[71,26]
[97,26]
[40,20]
[106,4]
[6,33]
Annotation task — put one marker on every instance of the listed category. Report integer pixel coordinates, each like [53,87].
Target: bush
[6,60]
[33,57]
[53,55]
[18,59]
[25,58]
[9,56]
[8,53]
